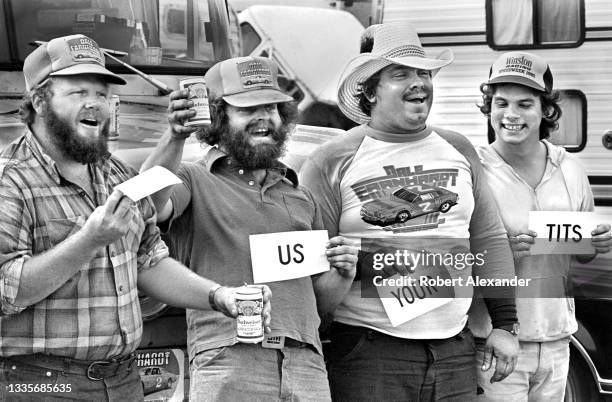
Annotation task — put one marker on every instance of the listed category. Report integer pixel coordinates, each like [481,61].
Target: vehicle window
[4,47]
[250,39]
[572,132]
[155,371]
[572,125]
[176,21]
[405,195]
[535,23]
[153,33]
[427,196]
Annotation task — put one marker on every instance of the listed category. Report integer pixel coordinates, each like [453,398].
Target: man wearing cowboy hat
[73,251]
[399,187]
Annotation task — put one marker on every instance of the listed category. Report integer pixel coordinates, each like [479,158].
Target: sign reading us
[288,255]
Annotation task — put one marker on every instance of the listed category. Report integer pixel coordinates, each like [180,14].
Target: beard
[65,136]
[259,156]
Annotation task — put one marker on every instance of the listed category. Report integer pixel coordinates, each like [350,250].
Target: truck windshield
[155,34]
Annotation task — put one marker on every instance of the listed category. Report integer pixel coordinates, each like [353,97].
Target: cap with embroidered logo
[67,55]
[522,68]
[245,82]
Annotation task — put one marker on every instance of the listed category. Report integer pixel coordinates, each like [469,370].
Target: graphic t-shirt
[421,194]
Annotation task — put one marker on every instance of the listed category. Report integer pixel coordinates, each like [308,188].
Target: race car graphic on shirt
[407,203]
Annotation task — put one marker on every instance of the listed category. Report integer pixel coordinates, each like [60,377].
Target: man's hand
[342,256]
[108,222]
[178,113]
[601,238]
[521,242]
[225,299]
[504,347]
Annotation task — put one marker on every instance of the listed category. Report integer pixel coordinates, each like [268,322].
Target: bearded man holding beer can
[239,188]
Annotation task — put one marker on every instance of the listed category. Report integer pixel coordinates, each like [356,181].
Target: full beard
[260,156]
[72,145]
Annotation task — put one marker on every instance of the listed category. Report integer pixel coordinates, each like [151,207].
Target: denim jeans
[244,372]
[540,374]
[366,365]
[23,382]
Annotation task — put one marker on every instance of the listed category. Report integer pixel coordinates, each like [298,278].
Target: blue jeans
[250,372]
[25,382]
[540,374]
[366,365]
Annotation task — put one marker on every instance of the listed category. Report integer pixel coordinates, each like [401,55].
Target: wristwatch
[512,328]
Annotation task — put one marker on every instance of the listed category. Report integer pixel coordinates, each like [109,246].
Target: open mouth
[513,127]
[89,122]
[260,132]
[418,99]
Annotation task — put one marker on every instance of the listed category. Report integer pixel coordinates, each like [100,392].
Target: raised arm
[169,150]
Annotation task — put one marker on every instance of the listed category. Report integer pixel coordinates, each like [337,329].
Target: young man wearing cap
[398,186]
[237,189]
[528,173]
[72,249]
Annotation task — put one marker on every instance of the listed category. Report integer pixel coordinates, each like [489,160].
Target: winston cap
[67,55]
[245,82]
[522,68]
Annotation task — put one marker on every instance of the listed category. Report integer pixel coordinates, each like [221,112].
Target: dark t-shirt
[215,210]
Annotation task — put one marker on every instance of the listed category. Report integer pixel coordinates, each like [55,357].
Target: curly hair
[368,89]
[26,108]
[219,122]
[549,100]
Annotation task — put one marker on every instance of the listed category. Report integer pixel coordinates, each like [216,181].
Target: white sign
[289,255]
[148,182]
[407,297]
[564,232]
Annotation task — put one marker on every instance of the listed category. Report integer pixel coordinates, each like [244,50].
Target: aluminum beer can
[249,324]
[199,96]
[113,129]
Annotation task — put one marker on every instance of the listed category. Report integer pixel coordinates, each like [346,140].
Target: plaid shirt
[95,314]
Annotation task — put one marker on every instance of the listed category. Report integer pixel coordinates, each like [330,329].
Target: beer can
[199,96]
[249,324]
[113,129]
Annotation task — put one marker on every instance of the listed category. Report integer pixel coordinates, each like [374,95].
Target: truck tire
[580,385]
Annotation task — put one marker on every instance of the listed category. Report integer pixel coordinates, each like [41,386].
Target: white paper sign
[148,182]
[288,255]
[403,303]
[564,232]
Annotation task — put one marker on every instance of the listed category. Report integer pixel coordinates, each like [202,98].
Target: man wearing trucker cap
[237,189]
[72,249]
[528,173]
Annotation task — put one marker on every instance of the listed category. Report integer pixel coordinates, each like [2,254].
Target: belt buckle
[89,368]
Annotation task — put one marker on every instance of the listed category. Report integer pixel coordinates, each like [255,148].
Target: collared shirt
[216,208]
[96,313]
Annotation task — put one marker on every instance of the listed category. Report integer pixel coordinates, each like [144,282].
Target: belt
[372,333]
[297,344]
[94,370]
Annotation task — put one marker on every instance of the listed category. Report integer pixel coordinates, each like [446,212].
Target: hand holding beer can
[249,323]
[199,96]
